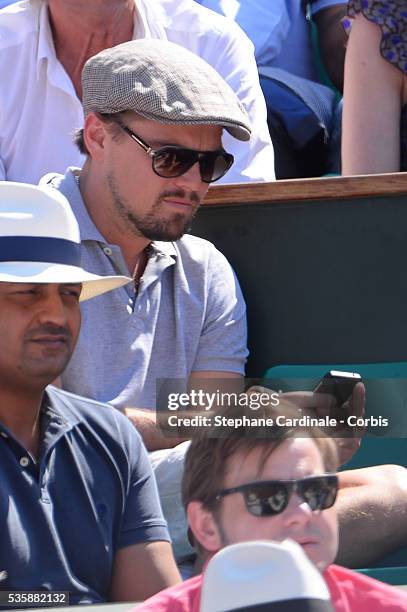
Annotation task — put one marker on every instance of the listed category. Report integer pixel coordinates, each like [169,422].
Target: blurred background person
[300,52]
[44,45]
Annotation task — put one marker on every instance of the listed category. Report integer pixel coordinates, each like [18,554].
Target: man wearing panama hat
[78,503]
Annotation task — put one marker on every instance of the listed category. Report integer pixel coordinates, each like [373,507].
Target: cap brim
[238,131]
[39,272]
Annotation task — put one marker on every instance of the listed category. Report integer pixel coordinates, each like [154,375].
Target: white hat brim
[39,272]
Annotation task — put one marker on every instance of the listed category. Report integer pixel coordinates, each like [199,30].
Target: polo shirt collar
[50,408]
[88,229]
[164,248]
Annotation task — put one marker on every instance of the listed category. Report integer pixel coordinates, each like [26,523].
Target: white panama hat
[262,576]
[40,241]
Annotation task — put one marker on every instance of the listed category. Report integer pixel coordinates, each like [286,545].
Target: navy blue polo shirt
[92,492]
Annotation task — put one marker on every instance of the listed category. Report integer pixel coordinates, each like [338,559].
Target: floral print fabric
[391,17]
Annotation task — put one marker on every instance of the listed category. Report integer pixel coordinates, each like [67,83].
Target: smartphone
[339,384]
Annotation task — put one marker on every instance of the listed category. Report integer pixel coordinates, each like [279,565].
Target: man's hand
[320,405]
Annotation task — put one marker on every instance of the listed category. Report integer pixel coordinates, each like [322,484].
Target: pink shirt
[350,592]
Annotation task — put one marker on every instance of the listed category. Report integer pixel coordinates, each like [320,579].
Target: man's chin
[170,229]
[168,234]
[46,372]
[314,554]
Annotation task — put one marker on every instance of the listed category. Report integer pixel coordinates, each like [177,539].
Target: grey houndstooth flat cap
[163,82]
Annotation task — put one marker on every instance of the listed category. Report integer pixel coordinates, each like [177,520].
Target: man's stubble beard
[150,225]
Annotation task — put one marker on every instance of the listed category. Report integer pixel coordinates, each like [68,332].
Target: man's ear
[94,135]
[203,526]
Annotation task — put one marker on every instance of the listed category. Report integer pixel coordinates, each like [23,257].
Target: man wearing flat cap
[155,114]
[153,139]
[79,510]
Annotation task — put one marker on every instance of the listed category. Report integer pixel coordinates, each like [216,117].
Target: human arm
[143,562]
[332,41]
[224,45]
[255,161]
[146,424]
[154,435]
[372,512]
[219,349]
[141,570]
[373,97]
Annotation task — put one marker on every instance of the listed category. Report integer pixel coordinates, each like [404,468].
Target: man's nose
[297,511]
[51,308]
[190,180]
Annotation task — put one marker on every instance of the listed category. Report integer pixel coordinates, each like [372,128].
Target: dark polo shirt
[90,493]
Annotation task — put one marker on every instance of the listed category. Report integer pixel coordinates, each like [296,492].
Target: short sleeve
[223,342]
[319,5]
[142,519]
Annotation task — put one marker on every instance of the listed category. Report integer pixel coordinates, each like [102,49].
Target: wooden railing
[322,264]
[308,189]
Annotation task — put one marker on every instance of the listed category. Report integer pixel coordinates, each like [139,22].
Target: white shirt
[278,29]
[39,108]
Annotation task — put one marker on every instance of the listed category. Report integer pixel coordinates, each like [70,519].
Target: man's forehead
[249,462]
[164,133]
[4,286]
[270,461]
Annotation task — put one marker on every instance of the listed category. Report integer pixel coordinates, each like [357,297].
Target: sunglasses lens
[170,162]
[215,165]
[266,500]
[319,493]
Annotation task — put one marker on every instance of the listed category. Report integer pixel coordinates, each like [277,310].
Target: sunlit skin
[127,201]
[82,28]
[39,326]
[315,531]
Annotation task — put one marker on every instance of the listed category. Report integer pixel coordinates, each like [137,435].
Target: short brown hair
[211,450]
[110,119]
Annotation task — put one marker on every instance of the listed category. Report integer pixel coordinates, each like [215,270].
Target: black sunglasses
[271,497]
[172,161]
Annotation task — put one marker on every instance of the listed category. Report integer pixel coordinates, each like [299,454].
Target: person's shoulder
[320,5]
[362,592]
[183,597]
[96,415]
[189,242]
[192,18]
[198,250]
[17,22]
[68,186]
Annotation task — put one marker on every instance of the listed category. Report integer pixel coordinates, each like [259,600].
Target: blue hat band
[38,248]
